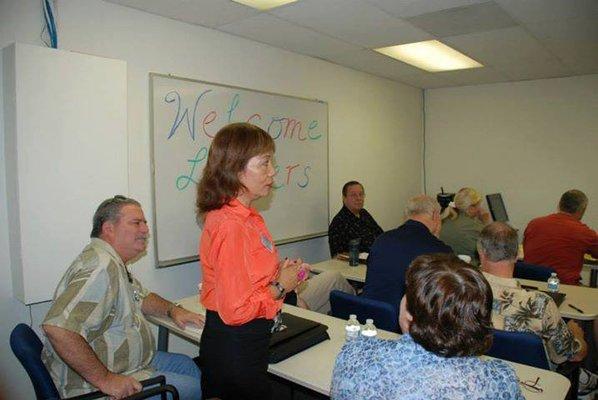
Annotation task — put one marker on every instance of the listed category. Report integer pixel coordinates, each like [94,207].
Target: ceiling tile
[411,8]
[427,81]
[276,32]
[500,47]
[352,20]
[474,76]
[583,29]
[549,10]
[537,69]
[580,57]
[573,40]
[461,20]
[209,13]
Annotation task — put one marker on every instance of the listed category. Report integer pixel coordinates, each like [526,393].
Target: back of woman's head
[464,198]
[233,146]
[451,306]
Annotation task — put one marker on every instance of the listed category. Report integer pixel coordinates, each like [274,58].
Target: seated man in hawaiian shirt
[516,309]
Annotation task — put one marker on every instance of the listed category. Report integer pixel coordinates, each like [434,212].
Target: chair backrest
[384,315]
[520,347]
[27,347]
[531,271]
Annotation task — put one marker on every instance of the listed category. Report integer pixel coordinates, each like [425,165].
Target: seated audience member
[560,240]
[463,221]
[394,250]
[516,309]
[97,335]
[314,293]
[352,222]
[445,317]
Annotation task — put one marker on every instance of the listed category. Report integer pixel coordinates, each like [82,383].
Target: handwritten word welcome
[279,127]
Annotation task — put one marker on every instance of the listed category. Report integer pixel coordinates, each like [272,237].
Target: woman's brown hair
[230,151]
[451,306]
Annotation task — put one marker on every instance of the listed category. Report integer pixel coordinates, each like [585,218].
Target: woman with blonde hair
[463,221]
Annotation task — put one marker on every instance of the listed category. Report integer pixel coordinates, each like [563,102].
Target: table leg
[162,338]
[593,277]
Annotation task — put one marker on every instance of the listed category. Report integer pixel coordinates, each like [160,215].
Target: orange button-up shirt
[238,261]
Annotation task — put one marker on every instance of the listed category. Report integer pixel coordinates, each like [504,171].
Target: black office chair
[27,347]
[531,271]
[384,315]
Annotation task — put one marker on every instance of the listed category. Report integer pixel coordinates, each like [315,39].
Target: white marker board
[186,114]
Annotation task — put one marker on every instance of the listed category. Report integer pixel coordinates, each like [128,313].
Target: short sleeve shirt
[518,310]
[559,241]
[378,369]
[97,299]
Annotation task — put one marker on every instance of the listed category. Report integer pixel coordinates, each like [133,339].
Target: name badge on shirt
[267,243]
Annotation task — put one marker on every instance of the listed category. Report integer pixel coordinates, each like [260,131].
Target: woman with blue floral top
[446,319]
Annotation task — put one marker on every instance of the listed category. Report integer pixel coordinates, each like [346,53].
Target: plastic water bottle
[369,329]
[352,328]
[354,252]
[553,283]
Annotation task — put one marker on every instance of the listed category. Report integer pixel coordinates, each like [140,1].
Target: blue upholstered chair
[520,347]
[531,271]
[384,315]
[27,347]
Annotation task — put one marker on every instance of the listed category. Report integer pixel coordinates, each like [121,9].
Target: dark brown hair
[109,211]
[230,151]
[451,305]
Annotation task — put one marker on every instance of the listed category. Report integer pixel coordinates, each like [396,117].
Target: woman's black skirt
[234,359]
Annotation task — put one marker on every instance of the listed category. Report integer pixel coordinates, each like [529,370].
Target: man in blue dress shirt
[393,251]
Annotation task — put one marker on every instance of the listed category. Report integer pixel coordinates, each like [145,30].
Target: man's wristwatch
[280,288]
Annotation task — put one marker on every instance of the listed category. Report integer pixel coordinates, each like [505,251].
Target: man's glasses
[532,386]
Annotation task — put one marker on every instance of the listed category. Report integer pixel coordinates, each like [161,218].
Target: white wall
[531,141]
[375,125]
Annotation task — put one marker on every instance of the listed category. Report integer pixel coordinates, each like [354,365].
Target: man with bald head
[394,250]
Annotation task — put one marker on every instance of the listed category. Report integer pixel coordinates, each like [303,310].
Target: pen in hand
[579,310]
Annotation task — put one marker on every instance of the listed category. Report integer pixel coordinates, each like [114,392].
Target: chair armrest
[158,380]
[155,391]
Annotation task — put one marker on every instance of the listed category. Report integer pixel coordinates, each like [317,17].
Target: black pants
[234,359]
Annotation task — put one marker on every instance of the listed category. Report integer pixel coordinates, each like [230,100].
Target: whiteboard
[187,114]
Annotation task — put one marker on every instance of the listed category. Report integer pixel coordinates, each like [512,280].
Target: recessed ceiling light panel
[264,5]
[431,55]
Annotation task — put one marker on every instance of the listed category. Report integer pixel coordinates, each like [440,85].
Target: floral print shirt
[517,309]
[378,369]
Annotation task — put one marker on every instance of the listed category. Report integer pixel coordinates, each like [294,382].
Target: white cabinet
[65,130]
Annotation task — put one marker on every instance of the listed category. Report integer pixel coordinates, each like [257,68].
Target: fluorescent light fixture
[264,4]
[430,55]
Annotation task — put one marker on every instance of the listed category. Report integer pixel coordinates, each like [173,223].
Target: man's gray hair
[498,241]
[109,211]
[573,201]
[421,204]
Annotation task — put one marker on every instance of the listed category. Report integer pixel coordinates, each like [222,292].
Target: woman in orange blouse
[244,283]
